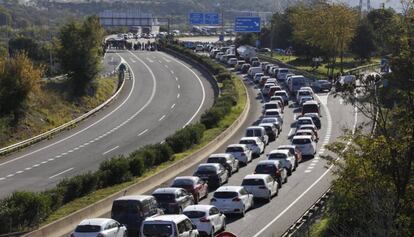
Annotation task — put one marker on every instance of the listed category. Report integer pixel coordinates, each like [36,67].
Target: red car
[192,184]
[293,150]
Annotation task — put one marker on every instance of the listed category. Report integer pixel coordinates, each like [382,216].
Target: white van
[253,70]
[169,226]
[257,131]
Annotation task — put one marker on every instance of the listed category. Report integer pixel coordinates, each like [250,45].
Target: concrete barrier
[68,223]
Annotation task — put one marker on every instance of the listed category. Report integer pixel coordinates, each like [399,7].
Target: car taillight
[277,173]
[213,200]
[262,187]
[204,219]
[236,199]
[100,235]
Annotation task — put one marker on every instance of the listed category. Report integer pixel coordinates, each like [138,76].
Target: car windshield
[301,141]
[304,121]
[303,93]
[311,108]
[164,197]
[183,182]
[271,106]
[265,169]
[220,160]
[252,182]
[276,156]
[88,228]
[247,142]
[157,230]
[234,149]
[252,133]
[276,113]
[206,169]
[268,120]
[225,195]
[194,214]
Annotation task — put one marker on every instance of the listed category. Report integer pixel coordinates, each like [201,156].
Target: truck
[246,52]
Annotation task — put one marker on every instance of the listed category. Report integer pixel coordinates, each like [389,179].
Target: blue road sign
[196,18]
[211,18]
[247,24]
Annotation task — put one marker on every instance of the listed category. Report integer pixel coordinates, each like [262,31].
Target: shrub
[136,163]
[114,171]
[223,76]
[78,186]
[186,137]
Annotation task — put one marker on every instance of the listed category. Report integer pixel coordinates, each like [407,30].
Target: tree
[328,27]
[246,39]
[20,80]
[80,52]
[27,45]
[363,44]
[383,22]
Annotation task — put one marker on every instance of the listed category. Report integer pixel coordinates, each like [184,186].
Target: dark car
[173,200]
[245,67]
[192,184]
[271,130]
[273,168]
[226,160]
[215,174]
[324,85]
[131,211]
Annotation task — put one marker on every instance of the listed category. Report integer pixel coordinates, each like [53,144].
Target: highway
[307,183]
[164,95]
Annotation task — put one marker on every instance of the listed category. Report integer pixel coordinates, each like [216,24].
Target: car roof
[209,164]
[271,102]
[286,146]
[135,197]
[255,127]
[305,130]
[194,178]
[310,102]
[237,145]
[250,138]
[268,162]
[96,221]
[286,152]
[199,207]
[281,91]
[256,176]
[302,137]
[229,189]
[220,155]
[174,218]
[266,124]
[272,110]
[304,118]
[311,115]
[169,190]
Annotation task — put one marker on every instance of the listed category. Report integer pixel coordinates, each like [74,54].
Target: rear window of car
[284,71]
[220,160]
[291,150]
[194,214]
[225,195]
[264,169]
[252,132]
[87,228]
[301,141]
[206,169]
[276,156]
[252,182]
[271,106]
[302,93]
[311,108]
[268,120]
[247,142]
[234,149]
[272,113]
[183,182]
[164,197]
[156,230]
[304,121]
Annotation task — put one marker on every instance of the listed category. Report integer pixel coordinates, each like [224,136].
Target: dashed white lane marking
[176,78]
[112,149]
[168,61]
[159,61]
[166,65]
[28,168]
[2,178]
[19,172]
[178,86]
[162,117]
[172,72]
[149,60]
[43,162]
[178,95]
[10,175]
[35,165]
[65,171]
[142,133]
[172,106]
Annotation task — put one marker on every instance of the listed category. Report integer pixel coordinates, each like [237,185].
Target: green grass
[208,136]
[53,107]
[319,228]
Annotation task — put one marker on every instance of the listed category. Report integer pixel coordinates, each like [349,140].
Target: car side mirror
[194,227]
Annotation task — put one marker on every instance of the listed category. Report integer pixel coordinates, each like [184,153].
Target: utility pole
[272,33]
[222,19]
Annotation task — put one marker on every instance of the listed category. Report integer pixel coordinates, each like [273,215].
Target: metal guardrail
[48,134]
[358,70]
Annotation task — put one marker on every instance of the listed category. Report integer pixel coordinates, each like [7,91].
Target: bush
[213,116]
[78,186]
[136,163]
[22,210]
[186,137]
[114,171]
[223,76]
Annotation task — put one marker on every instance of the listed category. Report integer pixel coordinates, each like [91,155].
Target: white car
[241,152]
[301,93]
[232,199]
[254,144]
[303,99]
[277,121]
[309,132]
[257,131]
[168,226]
[99,227]
[261,186]
[257,77]
[232,62]
[273,113]
[284,95]
[271,105]
[208,219]
[305,144]
[288,160]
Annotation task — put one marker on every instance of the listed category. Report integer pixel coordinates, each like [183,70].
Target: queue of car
[175,210]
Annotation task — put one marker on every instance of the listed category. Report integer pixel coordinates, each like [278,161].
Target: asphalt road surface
[164,95]
[307,183]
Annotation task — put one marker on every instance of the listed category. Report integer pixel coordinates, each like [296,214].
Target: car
[293,150]
[311,107]
[132,210]
[273,168]
[99,227]
[232,62]
[192,184]
[285,157]
[278,99]
[239,65]
[227,160]
[277,121]
[266,88]
[303,121]
[303,99]
[218,55]
[169,225]
[272,90]
[273,113]
[311,127]
[323,85]
[263,80]
[281,74]
[253,70]
[245,68]
[305,144]
[271,105]
[208,219]
[309,132]
[241,152]
[303,92]
[284,95]
[257,77]
[264,50]
[173,200]
[271,130]
[315,118]
[257,131]
[261,186]
[199,48]
[254,144]
[256,64]
[214,174]
[232,199]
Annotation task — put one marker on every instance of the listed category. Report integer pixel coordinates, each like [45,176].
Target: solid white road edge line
[201,84]
[310,187]
[51,177]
